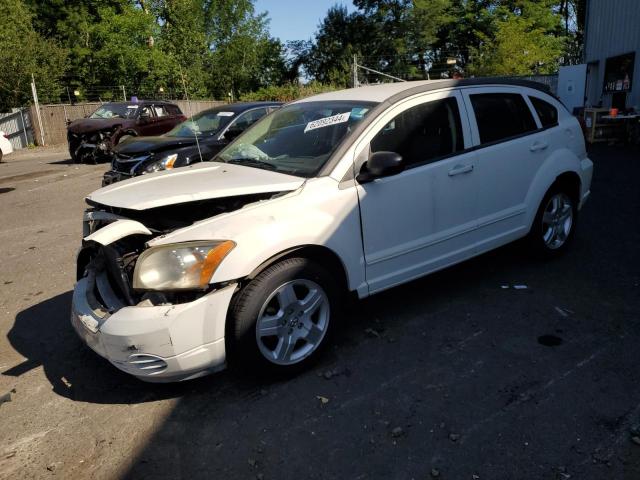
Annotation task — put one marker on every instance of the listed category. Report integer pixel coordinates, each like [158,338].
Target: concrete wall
[54,117]
[612,28]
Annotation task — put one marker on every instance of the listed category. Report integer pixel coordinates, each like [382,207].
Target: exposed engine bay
[109,267]
[91,147]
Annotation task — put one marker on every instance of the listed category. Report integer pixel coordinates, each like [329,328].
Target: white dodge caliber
[245,259]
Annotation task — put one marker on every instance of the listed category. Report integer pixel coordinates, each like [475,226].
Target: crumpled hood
[85,125]
[201,181]
[136,145]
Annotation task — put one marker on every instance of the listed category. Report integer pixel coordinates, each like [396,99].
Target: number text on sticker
[327,121]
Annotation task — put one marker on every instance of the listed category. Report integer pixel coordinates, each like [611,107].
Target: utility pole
[124,93]
[355,71]
[37,105]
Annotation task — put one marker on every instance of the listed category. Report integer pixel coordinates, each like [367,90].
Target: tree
[24,53]
[527,40]
[340,36]
[122,52]
[184,39]
[391,36]
[241,48]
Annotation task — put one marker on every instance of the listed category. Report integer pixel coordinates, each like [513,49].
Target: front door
[423,218]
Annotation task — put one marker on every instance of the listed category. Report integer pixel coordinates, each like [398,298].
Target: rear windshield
[297,139]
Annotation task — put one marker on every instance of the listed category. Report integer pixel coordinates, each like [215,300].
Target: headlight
[180,266]
[165,163]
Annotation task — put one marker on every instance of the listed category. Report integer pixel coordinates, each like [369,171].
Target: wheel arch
[570,181]
[561,168]
[321,254]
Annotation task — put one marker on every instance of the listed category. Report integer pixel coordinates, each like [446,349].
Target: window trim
[472,116]
[433,159]
[524,92]
[238,116]
[364,142]
[533,108]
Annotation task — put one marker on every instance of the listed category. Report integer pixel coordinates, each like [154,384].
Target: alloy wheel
[293,322]
[557,221]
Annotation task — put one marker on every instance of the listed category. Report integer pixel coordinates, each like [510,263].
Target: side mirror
[380,164]
[144,118]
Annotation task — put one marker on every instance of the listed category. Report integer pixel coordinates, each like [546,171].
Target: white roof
[370,93]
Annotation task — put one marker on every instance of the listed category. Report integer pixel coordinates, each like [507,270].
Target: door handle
[459,169]
[536,146]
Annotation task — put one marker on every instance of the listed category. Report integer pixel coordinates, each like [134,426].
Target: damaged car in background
[196,140]
[91,139]
[246,258]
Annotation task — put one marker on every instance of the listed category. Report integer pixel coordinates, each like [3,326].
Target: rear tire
[283,318]
[554,225]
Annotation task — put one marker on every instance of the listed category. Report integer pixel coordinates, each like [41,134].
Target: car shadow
[43,334]
[67,161]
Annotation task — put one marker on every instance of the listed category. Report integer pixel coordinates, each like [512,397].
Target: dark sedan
[198,139]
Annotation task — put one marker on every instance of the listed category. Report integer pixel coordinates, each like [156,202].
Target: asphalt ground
[452,376]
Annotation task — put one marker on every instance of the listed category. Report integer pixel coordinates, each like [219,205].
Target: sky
[297,19]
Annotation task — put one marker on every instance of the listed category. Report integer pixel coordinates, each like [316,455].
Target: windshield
[115,111]
[204,123]
[297,139]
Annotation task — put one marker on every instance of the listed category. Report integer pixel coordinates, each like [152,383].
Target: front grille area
[123,163]
[142,364]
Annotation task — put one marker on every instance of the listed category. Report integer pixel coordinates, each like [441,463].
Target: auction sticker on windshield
[225,114]
[327,121]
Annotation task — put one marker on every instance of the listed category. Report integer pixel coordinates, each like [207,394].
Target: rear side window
[501,115]
[423,133]
[173,110]
[160,111]
[249,118]
[547,113]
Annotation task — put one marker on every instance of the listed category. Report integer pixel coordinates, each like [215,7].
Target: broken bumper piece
[156,343]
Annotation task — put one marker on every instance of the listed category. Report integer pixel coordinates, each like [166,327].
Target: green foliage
[524,42]
[207,48]
[287,92]
[244,57]
[24,53]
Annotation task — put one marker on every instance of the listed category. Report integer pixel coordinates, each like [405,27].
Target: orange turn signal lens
[213,260]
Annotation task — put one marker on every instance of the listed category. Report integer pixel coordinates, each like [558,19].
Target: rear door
[146,123]
[511,147]
[164,120]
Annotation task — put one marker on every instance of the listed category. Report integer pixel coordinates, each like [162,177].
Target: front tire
[555,223]
[73,147]
[282,319]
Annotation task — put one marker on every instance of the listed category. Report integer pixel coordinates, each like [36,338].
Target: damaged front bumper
[154,343]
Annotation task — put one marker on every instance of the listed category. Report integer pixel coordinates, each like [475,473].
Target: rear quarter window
[547,113]
[501,116]
[173,110]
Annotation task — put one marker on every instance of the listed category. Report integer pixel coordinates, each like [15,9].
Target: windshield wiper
[252,162]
